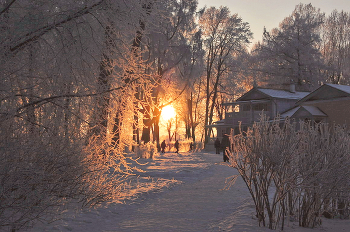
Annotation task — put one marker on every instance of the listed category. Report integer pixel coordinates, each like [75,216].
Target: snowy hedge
[294,171]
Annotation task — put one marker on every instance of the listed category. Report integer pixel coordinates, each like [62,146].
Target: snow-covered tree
[224,36]
[335,47]
[166,46]
[290,52]
[58,59]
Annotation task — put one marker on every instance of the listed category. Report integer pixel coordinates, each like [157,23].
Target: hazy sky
[269,13]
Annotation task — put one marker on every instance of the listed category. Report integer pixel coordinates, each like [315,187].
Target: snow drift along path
[198,203]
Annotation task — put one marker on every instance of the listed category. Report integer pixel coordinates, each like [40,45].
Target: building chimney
[255,85]
[292,87]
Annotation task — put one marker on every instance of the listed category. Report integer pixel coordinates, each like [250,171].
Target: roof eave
[313,93]
[247,93]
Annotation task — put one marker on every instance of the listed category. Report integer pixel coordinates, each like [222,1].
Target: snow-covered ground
[189,196]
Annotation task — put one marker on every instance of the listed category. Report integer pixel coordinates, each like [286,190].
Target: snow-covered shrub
[263,157]
[106,170]
[293,173]
[58,102]
[40,175]
[36,179]
[324,168]
[185,145]
[146,151]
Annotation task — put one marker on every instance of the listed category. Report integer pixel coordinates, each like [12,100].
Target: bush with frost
[294,171]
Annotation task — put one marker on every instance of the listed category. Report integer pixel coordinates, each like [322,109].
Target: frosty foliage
[294,171]
[225,35]
[290,52]
[64,103]
[82,83]
[146,151]
[335,34]
[308,48]
[168,51]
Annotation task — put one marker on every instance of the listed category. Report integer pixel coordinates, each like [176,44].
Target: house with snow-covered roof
[249,107]
[329,103]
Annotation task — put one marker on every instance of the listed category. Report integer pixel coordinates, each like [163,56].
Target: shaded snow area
[179,192]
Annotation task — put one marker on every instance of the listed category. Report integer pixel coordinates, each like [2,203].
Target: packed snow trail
[198,203]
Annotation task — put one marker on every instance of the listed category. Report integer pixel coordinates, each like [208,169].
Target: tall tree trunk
[119,115]
[135,125]
[146,131]
[102,105]
[100,119]
[67,116]
[102,109]
[206,121]
[135,48]
[189,126]
[146,134]
[210,62]
[31,109]
[156,111]
[116,131]
[215,93]
[156,127]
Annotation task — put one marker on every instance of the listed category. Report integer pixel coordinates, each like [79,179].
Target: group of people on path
[163,146]
[224,145]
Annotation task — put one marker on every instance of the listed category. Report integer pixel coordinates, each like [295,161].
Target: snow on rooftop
[311,109]
[314,110]
[290,113]
[284,94]
[344,88]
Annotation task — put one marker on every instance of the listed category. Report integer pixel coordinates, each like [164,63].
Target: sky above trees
[270,13]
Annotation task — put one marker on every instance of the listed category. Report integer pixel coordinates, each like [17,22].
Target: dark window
[260,107]
[246,107]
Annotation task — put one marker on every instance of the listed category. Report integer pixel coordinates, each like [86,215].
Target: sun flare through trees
[86,86]
[168,112]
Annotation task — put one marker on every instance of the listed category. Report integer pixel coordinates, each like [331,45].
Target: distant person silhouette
[177,146]
[191,146]
[162,146]
[217,145]
[225,144]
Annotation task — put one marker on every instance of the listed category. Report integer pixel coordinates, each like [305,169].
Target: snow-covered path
[198,203]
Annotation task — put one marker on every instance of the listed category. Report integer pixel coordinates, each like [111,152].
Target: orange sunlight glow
[168,112]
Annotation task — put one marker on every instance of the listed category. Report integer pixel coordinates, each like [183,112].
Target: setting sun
[168,112]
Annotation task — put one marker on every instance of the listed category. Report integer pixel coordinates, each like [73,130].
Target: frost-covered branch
[36,34]
[294,171]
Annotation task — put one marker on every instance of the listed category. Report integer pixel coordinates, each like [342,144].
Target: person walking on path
[217,145]
[162,146]
[177,146]
[225,144]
